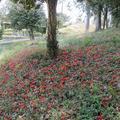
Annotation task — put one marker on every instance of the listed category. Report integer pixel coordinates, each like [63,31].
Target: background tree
[86,7]
[106,8]
[27,4]
[101,9]
[115,6]
[62,19]
[24,19]
[96,7]
[87,25]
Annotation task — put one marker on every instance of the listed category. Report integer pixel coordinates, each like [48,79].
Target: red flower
[63,67]
[33,84]
[7,118]
[96,56]
[11,93]
[22,84]
[21,105]
[64,78]
[65,53]
[61,73]
[49,106]
[24,96]
[42,99]
[100,117]
[6,78]
[82,74]
[33,103]
[62,81]
[105,101]
[62,116]
[12,65]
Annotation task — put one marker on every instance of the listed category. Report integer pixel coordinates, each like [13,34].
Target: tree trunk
[117,24]
[96,23]
[31,34]
[107,26]
[117,17]
[52,44]
[87,19]
[105,22]
[98,20]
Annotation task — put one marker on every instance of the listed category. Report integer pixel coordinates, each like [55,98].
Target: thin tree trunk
[96,23]
[105,22]
[31,34]
[117,24]
[117,17]
[87,19]
[52,43]
[98,20]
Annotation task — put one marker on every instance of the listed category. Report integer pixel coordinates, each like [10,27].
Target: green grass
[8,51]
[110,37]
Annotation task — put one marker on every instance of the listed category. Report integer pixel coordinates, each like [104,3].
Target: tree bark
[105,22]
[52,44]
[117,24]
[87,19]
[98,20]
[117,17]
[31,34]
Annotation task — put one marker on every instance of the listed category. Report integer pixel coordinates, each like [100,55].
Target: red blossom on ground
[30,82]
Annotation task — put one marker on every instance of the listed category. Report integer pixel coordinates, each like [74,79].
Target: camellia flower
[42,99]
[100,117]
[63,67]
[21,105]
[12,65]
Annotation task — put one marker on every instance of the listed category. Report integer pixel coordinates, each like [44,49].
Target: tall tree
[105,20]
[52,43]
[99,15]
[87,25]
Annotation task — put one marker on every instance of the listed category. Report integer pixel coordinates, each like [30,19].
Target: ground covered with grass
[82,83]
[8,51]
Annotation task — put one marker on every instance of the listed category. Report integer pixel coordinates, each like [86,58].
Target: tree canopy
[26,19]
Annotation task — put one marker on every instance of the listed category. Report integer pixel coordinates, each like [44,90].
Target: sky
[2,3]
[71,11]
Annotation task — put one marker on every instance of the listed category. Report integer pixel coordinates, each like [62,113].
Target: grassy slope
[8,51]
[103,37]
[95,99]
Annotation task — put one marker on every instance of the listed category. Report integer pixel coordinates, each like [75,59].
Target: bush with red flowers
[78,85]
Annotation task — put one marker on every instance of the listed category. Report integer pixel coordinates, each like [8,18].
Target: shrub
[1,33]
